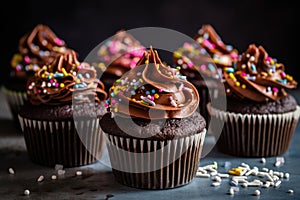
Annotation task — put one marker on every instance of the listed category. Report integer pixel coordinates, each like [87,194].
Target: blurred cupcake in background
[261,115]
[116,56]
[60,120]
[37,48]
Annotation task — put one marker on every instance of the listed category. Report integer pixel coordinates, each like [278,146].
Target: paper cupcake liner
[57,142]
[15,99]
[254,135]
[134,160]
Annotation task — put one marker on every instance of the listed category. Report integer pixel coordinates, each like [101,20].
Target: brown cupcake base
[57,142]
[256,135]
[144,164]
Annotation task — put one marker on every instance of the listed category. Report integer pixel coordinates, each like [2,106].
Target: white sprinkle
[53,177]
[200,169]
[265,169]
[11,171]
[286,175]
[58,167]
[235,189]
[280,159]
[263,160]
[202,175]
[256,193]
[26,192]
[215,184]
[266,185]
[79,173]
[290,191]
[223,175]
[277,184]
[245,165]
[217,179]
[277,163]
[41,178]
[245,184]
[213,173]
[61,172]
[231,191]
[254,184]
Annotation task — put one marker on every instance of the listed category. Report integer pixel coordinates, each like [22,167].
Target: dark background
[84,24]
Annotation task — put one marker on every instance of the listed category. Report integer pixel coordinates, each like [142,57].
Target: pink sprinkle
[27,59]
[106,105]
[160,90]
[106,58]
[56,84]
[18,67]
[203,67]
[282,74]
[121,92]
[152,98]
[208,44]
[244,74]
[190,64]
[275,89]
[234,56]
[51,81]
[268,59]
[113,101]
[58,41]
[39,91]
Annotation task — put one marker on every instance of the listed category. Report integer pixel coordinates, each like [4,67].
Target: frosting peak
[153,91]
[258,77]
[65,80]
[36,49]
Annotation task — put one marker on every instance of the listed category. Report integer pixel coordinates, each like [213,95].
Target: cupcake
[60,120]
[154,132]
[202,63]
[116,56]
[36,49]
[261,115]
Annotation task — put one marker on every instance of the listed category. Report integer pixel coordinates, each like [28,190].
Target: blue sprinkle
[229,70]
[253,67]
[107,101]
[132,92]
[79,86]
[229,47]
[211,67]
[120,100]
[87,75]
[143,87]
[112,94]
[79,75]
[153,91]
[206,36]
[58,75]
[147,93]
[203,51]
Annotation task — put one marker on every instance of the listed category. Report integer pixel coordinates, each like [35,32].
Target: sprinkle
[263,160]
[78,173]
[115,109]
[199,174]
[11,171]
[277,163]
[146,99]
[211,67]
[231,191]
[229,69]
[235,171]
[153,91]
[147,62]
[256,193]
[253,67]
[62,85]
[275,90]
[40,178]
[243,86]
[203,67]
[215,184]
[160,90]
[237,84]
[277,184]
[244,74]
[64,71]
[286,175]
[233,183]
[290,191]
[53,177]
[26,192]
[58,167]
[156,96]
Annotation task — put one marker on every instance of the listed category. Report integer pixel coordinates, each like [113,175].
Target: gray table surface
[97,180]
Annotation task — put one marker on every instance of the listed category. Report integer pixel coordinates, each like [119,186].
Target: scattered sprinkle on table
[11,171]
[26,192]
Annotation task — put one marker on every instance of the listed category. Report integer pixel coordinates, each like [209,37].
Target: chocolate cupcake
[261,116]
[202,63]
[36,49]
[154,132]
[60,121]
[116,56]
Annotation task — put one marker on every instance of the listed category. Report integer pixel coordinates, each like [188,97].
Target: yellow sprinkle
[147,62]
[133,99]
[43,76]
[157,66]
[156,96]
[272,62]
[235,171]
[237,84]
[231,75]
[77,80]
[141,80]
[77,63]
[270,74]
[64,71]
[244,86]
[289,78]
[177,54]
[264,74]
[171,76]
[115,109]
[44,67]
[62,85]
[101,65]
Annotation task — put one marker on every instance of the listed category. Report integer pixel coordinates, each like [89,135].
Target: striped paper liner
[15,99]
[254,135]
[173,171]
[58,142]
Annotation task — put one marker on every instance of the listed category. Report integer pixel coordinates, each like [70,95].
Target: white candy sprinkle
[215,184]
[217,179]
[245,184]
[231,191]
[286,175]
[263,160]
[53,177]
[79,173]
[26,192]
[277,163]
[277,184]
[40,179]
[266,185]
[280,159]
[202,175]
[256,193]
[265,169]
[223,175]
[290,191]
[11,171]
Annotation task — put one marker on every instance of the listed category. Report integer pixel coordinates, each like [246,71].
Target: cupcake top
[36,49]
[222,54]
[152,90]
[257,77]
[118,54]
[194,62]
[64,81]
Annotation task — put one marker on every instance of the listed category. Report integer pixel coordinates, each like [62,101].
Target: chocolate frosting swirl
[152,90]
[64,81]
[223,55]
[36,49]
[258,77]
[118,55]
